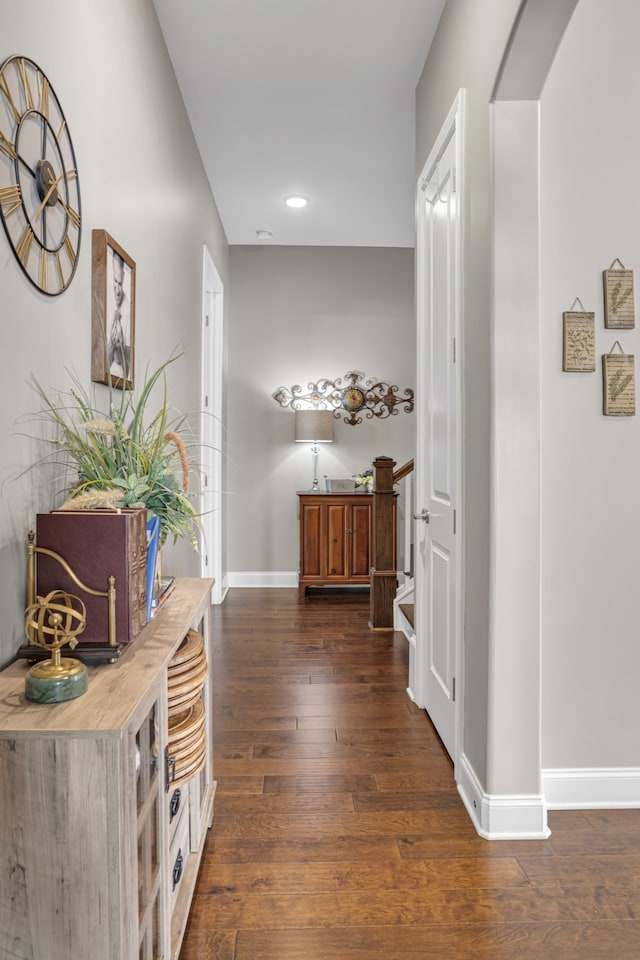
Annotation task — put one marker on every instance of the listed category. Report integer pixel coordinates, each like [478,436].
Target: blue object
[153,542]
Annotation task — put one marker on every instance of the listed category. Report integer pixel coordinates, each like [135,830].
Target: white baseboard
[265,578]
[501,816]
[224,589]
[403,582]
[404,589]
[402,625]
[400,622]
[592,788]
[218,595]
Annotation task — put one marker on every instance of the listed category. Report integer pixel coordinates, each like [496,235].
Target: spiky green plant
[136,457]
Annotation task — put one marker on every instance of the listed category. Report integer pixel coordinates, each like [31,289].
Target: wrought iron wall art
[347,396]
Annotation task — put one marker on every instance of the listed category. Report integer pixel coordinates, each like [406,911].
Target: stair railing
[384,574]
[403,479]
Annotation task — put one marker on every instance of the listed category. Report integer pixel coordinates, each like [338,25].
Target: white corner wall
[142,180]
[300,314]
[513,764]
[590,490]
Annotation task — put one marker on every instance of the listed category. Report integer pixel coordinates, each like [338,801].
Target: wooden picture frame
[578,341]
[113,303]
[619,310]
[618,383]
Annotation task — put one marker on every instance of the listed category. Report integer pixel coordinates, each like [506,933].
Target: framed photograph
[113,303]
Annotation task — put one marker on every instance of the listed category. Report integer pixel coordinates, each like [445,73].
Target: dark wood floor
[339,834]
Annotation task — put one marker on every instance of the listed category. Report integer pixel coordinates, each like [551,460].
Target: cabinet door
[359,540]
[337,525]
[60,879]
[149,793]
[312,540]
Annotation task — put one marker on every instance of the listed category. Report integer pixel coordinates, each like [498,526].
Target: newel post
[383,553]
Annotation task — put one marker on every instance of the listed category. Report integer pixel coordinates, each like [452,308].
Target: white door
[438,446]
[211,425]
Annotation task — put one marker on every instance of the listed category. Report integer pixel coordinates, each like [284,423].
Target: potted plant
[131,456]
[364,480]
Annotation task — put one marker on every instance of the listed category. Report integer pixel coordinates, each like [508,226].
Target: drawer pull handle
[174,804]
[177,869]
[171,769]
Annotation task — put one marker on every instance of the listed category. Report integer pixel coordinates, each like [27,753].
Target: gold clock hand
[54,184]
[47,195]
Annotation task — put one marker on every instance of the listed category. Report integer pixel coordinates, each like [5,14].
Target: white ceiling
[305,96]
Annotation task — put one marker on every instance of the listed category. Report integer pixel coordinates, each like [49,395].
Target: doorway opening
[212,377]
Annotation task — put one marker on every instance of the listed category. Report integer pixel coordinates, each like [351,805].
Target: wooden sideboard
[335,539]
[99,853]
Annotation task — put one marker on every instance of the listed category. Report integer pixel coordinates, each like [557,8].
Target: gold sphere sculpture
[50,623]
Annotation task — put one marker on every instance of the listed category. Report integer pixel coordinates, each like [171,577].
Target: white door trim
[212,376]
[453,125]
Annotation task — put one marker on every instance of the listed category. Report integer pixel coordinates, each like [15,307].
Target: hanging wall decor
[618,383]
[113,310]
[618,297]
[578,340]
[348,395]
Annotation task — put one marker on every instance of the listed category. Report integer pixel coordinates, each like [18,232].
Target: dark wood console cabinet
[335,539]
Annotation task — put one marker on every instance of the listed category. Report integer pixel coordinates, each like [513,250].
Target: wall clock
[39,185]
[353,399]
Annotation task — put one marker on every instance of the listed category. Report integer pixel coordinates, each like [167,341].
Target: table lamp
[314,426]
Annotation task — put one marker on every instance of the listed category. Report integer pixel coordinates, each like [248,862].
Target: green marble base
[46,683]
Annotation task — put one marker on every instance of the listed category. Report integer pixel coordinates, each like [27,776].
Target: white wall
[590,535]
[141,179]
[300,314]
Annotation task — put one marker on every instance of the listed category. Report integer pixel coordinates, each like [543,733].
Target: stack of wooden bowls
[187,672]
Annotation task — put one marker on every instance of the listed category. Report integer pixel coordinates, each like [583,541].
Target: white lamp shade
[314,426]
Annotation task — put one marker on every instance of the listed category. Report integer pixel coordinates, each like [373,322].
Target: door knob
[423,515]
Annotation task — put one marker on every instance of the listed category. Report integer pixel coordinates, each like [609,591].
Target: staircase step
[407,611]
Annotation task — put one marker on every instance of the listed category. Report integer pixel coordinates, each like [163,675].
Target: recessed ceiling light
[296,201]
[264,234]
